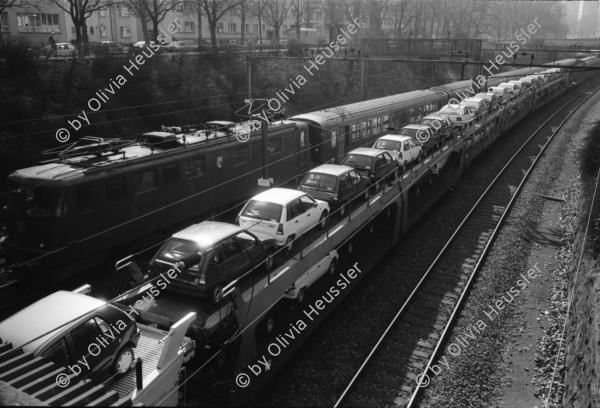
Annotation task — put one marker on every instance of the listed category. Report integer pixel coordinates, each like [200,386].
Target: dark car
[84,334]
[222,253]
[375,164]
[335,184]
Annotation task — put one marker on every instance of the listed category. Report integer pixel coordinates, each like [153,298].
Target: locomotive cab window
[195,168]
[116,188]
[172,174]
[145,181]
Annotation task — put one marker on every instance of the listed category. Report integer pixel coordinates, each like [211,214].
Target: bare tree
[215,10]
[154,11]
[298,11]
[195,8]
[333,16]
[242,13]
[401,16]
[276,12]
[257,9]
[79,10]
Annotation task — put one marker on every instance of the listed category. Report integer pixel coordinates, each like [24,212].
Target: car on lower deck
[402,148]
[375,164]
[71,329]
[283,214]
[336,184]
[221,252]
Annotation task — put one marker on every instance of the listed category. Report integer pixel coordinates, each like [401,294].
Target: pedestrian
[53,47]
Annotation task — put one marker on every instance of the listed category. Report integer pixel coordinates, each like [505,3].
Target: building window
[4,22]
[102,31]
[232,27]
[125,32]
[38,23]
[255,28]
[102,13]
[247,28]
[124,12]
[188,26]
[92,30]
[219,27]
[145,181]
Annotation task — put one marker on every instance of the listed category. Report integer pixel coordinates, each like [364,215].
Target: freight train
[236,336]
[68,212]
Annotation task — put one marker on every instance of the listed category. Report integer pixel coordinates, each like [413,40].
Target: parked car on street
[66,50]
[283,214]
[335,184]
[375,164]
[221,252]
[402,148]
[64,327]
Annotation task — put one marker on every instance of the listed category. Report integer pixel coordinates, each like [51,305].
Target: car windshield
[319,181]
[358,161]
[388,145]
[262,210]
[409,132]
[451,111]
[176,249]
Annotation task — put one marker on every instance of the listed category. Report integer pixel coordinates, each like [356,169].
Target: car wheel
[217,294]
[289,244]
[123,360]
[323,220]
[270,260]
[332,266]
[300,296]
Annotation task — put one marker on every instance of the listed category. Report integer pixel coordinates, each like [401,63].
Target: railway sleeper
[421,343]
[397,400]
[406,349]
[428,315]
[441,292]
[374,379]
[397,371]
[440,307]
[405,328]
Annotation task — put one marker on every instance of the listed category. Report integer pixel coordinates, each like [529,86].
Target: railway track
[398,365]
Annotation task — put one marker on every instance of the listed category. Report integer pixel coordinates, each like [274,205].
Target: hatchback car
[458,115]
[402,148]
[71,329]
[514,88]
[479,105]
[493,100]
[283,214]
[504,93]
[425,135]
[440,123]
[375,164]
[65,50]
[223,252]
[335,184]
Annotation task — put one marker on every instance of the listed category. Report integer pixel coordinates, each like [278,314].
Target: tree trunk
[84,33]
[259,30]
[243,22]
[199,28]
[155,30]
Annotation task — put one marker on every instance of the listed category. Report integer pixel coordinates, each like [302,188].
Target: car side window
[84,335]
[229,250]
[407,146]
[102,324]
[292,210]
[345,182]
[246,240]
[354,177]
[307,202]
[58,353]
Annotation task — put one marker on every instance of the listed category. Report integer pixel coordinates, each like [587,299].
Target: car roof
[418,127]
[396,138]
[42,318]
[207,233]
[279,195]
[332,169]
[366,151]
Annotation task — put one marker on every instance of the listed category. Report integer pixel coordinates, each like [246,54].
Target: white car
[458,114]
[479,105]
[402,148]
[327,264]
[283,214]
[65,50]
[515,88]
[504,93]
[493,100]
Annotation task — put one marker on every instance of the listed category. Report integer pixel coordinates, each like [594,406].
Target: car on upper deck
[513,88]
[375,164]
[402,148]
[336,184]
[479,106]
[88,335]
[283,214]
[493,100]
[458,114]
[221,252]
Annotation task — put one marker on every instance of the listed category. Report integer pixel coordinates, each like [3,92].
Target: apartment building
[33,25]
